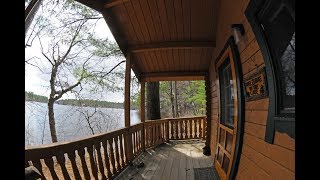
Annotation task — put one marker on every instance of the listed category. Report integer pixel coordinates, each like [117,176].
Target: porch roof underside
[166,39]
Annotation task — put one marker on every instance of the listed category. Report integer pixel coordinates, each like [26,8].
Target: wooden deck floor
[173,160]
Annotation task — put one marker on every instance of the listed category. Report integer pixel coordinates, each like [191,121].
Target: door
[229,97]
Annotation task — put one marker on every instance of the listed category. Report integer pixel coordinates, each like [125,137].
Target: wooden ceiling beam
[173,76]
[172,45]
[114,3]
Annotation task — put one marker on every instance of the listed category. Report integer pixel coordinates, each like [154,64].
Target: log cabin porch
[174,40]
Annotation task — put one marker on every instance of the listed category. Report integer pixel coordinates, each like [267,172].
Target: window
[227,94]
[273,23]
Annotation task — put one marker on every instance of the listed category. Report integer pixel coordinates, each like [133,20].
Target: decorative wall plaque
[256,86]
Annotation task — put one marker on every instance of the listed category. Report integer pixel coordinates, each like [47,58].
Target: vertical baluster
[50,164]
[72,157]
[157,134]
[200,128]
[111,151]
[159,131]
[62,161]
[176,129]
[126,146]
[81,153]
[186,136]
[117,152]
[121,151]
[204,120]
[167,130]
[154,134]
[190,128]
[99,156]
[162,124]
[37,164]
[94,168]
[181,130]
[162,131]
[148,136]
[151,134]
[139,140]
[106,159]
[133,144]
[195,128]
[136,135]
[171,127]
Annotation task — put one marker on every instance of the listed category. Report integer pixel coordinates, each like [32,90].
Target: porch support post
[128,138]
[127,92]
[206,149]
[142,112]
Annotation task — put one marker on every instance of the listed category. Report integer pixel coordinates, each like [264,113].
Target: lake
[72,122]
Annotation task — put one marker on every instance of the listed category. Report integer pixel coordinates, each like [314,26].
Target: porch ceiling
[170,38]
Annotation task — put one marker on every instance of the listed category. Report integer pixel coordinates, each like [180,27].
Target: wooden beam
[173,76]
[127,91]
[135,68]
[94,4]
[114,3]
[172,45]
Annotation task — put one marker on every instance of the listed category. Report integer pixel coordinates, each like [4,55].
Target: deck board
[172,160]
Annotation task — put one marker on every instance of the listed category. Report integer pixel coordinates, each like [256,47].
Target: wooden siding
[259,160]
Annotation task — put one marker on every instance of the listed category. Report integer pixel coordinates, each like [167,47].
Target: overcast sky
[37,83]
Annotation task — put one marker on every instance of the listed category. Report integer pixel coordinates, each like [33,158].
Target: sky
[36,82]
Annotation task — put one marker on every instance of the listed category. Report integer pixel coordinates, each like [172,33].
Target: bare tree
[74,55]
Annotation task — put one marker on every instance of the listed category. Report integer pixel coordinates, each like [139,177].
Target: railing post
[128,148]
[142,114]
[167,130]
[127,106]
[206,149]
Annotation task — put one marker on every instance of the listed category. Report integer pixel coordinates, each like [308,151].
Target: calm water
[71,123]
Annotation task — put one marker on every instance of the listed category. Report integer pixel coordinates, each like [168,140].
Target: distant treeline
[30,96]
[90,103]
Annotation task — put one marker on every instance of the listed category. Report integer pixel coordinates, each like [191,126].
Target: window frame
[277,120]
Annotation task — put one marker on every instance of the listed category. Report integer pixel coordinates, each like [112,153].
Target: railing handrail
[88,138]
[102,135]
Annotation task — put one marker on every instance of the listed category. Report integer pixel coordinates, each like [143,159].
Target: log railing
[104,156]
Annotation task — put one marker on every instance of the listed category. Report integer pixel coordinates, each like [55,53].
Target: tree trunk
[153,101]
[176,99]
[52,121]
[172,100]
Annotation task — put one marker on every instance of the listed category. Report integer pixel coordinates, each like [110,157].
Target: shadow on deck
[173,160]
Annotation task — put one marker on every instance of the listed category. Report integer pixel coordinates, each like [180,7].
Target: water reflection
[71,124]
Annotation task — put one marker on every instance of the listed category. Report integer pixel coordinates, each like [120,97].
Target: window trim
[274,121]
